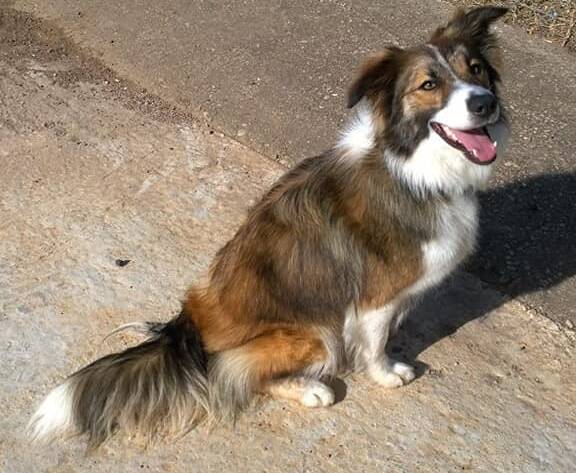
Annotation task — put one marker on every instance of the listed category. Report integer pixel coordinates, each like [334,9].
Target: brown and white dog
[326,264]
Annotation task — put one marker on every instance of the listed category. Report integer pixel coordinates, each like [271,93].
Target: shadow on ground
[527,245]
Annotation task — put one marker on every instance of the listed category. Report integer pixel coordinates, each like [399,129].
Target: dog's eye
[475,68]
[428,85]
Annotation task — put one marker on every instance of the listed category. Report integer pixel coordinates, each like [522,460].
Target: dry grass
[552,20]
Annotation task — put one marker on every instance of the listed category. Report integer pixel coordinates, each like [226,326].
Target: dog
[327,264]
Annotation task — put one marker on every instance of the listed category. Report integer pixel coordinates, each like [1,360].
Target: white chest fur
[454,240]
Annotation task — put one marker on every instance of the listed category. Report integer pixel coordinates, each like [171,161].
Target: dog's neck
[447,175]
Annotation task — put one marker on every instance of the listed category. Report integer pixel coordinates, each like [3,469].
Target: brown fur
[417,99]
[281,351]
[323,238]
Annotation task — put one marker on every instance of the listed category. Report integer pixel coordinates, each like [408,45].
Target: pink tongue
[477,142]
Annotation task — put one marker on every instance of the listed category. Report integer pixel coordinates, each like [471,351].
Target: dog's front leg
[375,327]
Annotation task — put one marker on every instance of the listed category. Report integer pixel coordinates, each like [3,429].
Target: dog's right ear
[377,73]
[472,25]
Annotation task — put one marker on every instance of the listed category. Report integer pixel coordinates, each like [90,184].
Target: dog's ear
[377,73]
[472,25]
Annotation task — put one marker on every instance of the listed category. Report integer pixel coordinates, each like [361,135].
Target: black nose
[482,105]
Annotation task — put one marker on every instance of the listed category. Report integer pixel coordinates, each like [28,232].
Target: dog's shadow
[527,244]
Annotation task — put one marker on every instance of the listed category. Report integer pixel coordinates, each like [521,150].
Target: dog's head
[436,106]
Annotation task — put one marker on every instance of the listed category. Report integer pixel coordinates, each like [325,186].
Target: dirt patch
[24,38]
[552,20]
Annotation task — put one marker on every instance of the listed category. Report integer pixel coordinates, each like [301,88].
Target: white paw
[406,372]
[317,394]
[393,376]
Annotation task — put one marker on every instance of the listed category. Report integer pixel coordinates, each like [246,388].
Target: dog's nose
[482,105]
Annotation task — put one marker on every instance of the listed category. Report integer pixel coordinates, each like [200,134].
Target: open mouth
[476,144]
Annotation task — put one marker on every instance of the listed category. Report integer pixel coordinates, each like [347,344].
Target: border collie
[327,263]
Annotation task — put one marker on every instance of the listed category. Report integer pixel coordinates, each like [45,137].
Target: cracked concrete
[96,170]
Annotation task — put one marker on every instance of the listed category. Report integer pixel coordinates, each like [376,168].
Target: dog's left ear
[472,25]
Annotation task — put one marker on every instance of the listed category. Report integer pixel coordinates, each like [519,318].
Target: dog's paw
[317,394]
[406,372]
[394,375]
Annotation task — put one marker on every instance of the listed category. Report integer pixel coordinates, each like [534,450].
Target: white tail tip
[54,416]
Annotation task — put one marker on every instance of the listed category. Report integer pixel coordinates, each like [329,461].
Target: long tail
[155,388]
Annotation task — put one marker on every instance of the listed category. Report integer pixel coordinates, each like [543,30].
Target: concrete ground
[96,169]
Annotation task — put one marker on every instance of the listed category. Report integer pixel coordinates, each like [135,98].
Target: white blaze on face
[455,113]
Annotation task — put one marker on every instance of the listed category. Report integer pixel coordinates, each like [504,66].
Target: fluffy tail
[156,388]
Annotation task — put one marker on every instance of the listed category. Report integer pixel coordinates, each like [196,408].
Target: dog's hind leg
[271,362]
